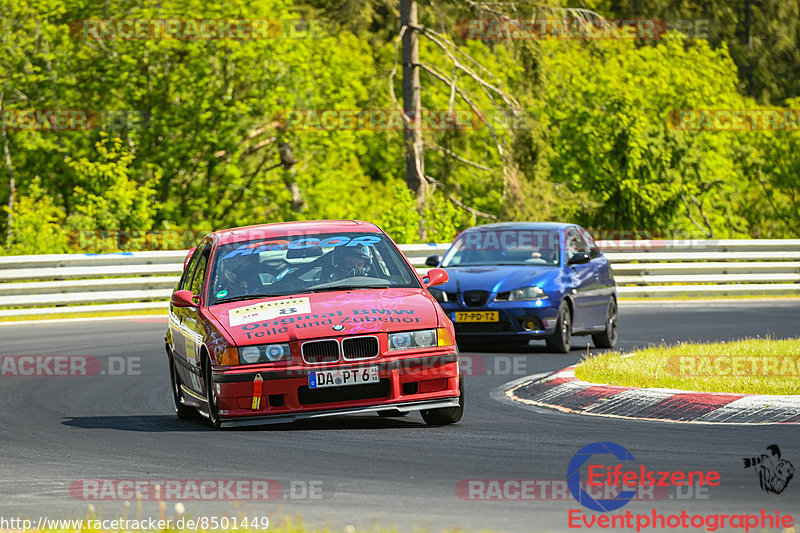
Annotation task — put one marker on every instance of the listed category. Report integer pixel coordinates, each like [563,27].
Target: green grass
[686,297]
[85,314]
[750,366]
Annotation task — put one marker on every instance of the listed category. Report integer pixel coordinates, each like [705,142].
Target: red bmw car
[279,322]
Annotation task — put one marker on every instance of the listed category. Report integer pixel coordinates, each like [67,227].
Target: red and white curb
[563,391]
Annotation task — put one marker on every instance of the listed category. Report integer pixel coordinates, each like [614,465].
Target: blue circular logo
[574,476]
[338,327]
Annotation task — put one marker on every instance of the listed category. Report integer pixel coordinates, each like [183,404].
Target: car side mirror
[183,298]
[436,276]
[579,258]
[432,261]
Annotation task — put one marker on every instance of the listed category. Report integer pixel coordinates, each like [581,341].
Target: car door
[184,320]
[193,329]
[602,283]
[176,315]
[582,277]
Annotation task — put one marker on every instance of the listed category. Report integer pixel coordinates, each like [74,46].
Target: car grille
[344,394]
[475,298]
[360,347]
[320,351]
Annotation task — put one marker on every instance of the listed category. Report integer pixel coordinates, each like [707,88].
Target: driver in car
[352,261]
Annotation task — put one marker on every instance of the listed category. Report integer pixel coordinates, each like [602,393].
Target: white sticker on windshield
[268,310]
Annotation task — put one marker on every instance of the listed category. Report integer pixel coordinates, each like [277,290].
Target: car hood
[497,278]
[314,315]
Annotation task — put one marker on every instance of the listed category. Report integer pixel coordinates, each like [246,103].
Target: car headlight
[250,354]
[527,293]
[424,338]
[277,352]
[266,353]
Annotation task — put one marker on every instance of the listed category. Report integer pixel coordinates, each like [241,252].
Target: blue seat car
[513,282]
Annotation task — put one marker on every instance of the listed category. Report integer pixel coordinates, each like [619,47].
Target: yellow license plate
[477,316]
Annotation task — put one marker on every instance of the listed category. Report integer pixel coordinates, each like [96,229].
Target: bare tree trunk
[289,175]
[412,106]
[748,40]
[11,184]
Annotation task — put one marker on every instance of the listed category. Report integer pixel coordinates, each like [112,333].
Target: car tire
[211,397]
[561,338]
[392,413]
[446,415]
[181,411]
[608,338]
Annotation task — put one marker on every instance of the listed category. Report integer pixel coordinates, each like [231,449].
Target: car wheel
[392,413]
[211,397]
[608,338]
[560,340]
[182,411]
[446,415]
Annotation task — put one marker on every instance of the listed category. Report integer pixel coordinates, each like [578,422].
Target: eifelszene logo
[630,476]
[774,473]
[629,479]
[574,476]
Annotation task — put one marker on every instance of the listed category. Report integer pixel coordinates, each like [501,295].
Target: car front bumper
[407,383]
[256,420]
[517,320]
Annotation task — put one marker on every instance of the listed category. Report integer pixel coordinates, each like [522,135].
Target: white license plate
[341,378]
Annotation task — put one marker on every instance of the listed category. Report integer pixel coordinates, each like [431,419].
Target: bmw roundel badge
[338,327]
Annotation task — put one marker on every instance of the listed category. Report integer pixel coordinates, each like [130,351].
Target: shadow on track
[533,349]
[169,423]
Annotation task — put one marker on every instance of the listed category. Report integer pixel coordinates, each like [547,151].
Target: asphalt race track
[361,470]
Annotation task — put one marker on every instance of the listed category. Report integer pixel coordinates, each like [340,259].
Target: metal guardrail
[55,284]
[700,268]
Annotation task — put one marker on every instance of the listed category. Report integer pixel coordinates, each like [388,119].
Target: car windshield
[504,247]
[296,264]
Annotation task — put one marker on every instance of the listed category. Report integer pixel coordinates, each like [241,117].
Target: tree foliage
[193,133]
